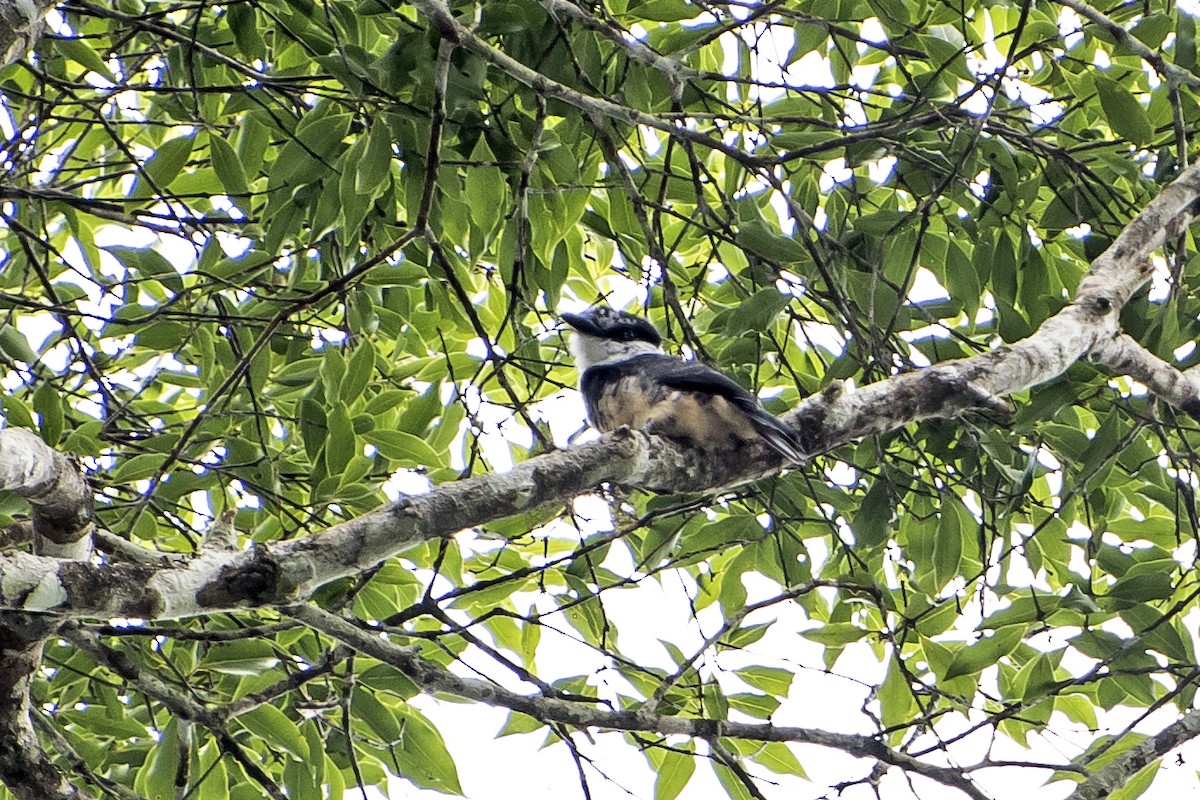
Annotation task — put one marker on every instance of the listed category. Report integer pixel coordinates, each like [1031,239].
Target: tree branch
[21,25]
[440,17]
[291,571]
[1124,356]
[1117,772]
[55,488]
[1175,74]
[25,768]
[432,678]
[1091,321]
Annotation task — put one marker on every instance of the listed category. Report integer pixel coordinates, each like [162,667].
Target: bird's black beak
[582,323]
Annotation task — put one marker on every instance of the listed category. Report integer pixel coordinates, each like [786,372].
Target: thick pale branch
[55,488]
[1124,356]
[432,678]
[1089,324]
[220,580]
[25,768]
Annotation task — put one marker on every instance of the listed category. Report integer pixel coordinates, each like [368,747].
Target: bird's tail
[782,438]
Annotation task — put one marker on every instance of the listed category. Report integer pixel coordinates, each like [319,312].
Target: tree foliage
[263,256]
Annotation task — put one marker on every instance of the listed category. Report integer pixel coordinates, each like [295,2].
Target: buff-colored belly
[703,420]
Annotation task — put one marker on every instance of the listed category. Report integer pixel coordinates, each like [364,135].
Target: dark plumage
[626,380]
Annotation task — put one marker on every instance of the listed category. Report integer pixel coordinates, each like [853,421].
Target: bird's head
[603,335]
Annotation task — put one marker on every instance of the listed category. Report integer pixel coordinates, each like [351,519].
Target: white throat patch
[592,351]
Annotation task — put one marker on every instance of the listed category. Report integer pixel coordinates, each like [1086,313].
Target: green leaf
[148,262]
[779,758]
[1123,113]
[1034,608]
[674,772]
[359,372]
[243,23]
[1185,42]
[1136,786]
[423,757]
[757,312]
[1145,587]
[404,448]
[755,705]
[1152,29]
[162,168]
[16,413]
[757,237]
[948,547]
[519,723]
[873,520]
[835,634]
[664,11]
[308,156]
[896,703]
[138,468]
[79,51]
[376,163]
[277,729]
[14,345]
[228,166]
[49,406]
[880,223]
[485,188]
[772,680]
[734,788]
[381,718]
[973,659]
[340,442]
[745,635]
[156,778]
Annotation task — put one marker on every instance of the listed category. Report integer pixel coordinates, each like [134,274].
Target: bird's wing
[690,376]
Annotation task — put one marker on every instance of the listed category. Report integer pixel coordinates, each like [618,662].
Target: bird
[628,381]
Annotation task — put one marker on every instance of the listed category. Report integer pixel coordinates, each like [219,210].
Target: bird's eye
[626,335]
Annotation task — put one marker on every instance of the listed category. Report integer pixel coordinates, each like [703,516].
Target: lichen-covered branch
[1087,327]
[1127,40]
[291,571]
[55,488]
[1124,356]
